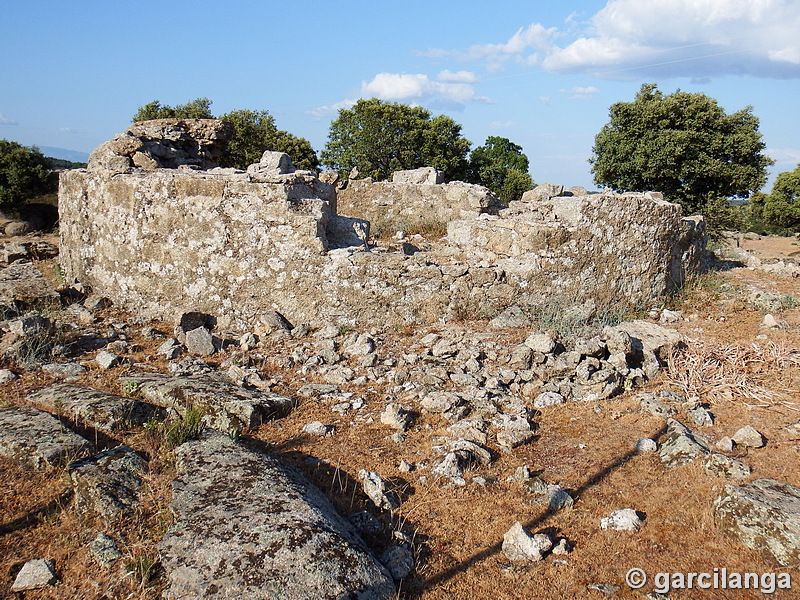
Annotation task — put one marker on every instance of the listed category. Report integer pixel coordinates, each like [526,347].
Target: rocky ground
[532,456]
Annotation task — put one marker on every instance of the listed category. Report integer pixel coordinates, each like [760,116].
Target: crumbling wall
[632,246]
[237,244]
[411,200]
[163,144]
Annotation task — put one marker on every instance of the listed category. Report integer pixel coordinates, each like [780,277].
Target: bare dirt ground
[745,373]
[766,247]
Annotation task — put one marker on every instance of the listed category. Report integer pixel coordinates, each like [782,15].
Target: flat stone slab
[763,515]
[108,483]
[249,527]
[652,337]
[22,281]
[101,410]
[225,405]
[37,438]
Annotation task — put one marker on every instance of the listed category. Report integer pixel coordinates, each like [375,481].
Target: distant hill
[64,154]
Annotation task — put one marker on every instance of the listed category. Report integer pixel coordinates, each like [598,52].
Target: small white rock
[7,376]
[107,360]
[624,519]
[725,444]
[701,416]
[548,399]
[748,436]
[35,574]
[562,546]
[670,316]
[769,321]
[318,428]
[646,445]
[375,489]
[519,545]
[540,342]
[395,416]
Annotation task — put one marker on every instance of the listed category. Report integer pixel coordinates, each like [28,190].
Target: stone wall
[238,244]
[632,246]
[170,241]
[400,205]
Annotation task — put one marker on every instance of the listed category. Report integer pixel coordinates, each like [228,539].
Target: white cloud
[695,38]
[450,90]
[784,155]
[330,110]
[502,124]
[457,77]
[659,38]
[580,93]
[4,120]
[525,44]
[420,88]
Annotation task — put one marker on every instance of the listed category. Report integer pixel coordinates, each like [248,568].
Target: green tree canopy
[380,137]
[23,174]
[781,207]
[254,131]
[683,145]
[501,166]
[199,108]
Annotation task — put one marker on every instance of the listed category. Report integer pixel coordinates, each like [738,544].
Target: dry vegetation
[457,531]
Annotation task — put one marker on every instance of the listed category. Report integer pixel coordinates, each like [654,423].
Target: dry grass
[717,372]
[385,228]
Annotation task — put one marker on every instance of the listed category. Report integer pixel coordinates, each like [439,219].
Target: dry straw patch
[721,372]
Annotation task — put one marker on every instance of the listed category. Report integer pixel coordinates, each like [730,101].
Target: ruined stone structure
[619,246]
[162,241]
[163,143]
[413,198]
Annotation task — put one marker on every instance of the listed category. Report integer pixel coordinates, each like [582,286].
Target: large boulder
[225,406]
[37,438]
[249,527]
[101,410]
[763,515]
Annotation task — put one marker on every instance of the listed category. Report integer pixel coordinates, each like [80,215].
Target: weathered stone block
[419,176]
[107,412]
[247,526]
[226,406]
[37,438]
[107,484]
[763,515]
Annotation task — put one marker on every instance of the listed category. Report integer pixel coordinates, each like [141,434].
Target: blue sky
[541,73]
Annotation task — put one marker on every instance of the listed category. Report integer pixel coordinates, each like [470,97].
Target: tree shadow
[56,505]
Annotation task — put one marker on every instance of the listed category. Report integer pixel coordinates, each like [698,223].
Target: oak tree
[24,174]
[683,145]
[379,137]
[501,166]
